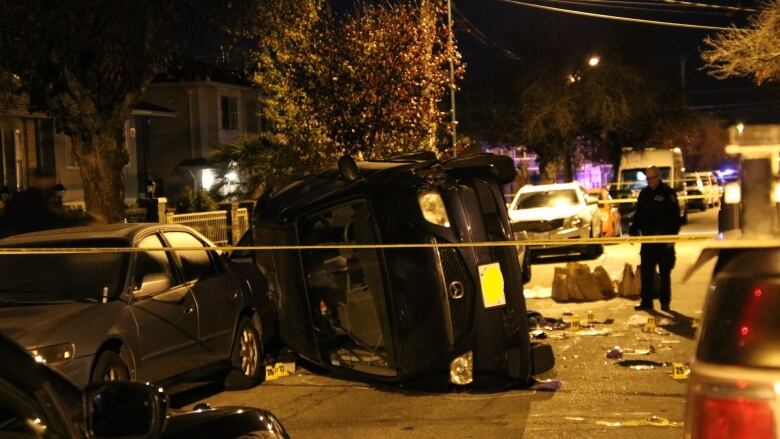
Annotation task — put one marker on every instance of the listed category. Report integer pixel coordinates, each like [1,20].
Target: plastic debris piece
[567,312]
[660,331]
[642,364]
[538,334]
[595,332]
[653,421]
[546,385]
[665,322]
[537,292]
[615,353]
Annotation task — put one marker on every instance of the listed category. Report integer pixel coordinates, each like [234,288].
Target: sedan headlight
[462,369]
[572,221]
[54,355]
[433,210]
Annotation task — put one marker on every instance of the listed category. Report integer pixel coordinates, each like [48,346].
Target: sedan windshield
[552,198]
[58,277]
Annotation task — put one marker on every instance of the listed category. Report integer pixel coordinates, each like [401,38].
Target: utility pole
[453,119]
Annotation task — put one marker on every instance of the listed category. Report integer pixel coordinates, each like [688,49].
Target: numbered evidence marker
[678,371]
[576,325]
[650,325]
[278,370]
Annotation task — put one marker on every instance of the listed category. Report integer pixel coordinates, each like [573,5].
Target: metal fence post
[233,231]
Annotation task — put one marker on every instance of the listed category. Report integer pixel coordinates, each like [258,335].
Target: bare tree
[753,51]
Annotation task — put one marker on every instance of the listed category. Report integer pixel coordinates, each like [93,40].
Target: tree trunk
[100,164]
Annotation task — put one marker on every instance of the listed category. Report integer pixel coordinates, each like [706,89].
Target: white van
[631,173]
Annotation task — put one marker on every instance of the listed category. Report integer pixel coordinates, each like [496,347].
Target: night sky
[660,49]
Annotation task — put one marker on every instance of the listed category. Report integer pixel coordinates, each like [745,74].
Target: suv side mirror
[124,409]
[154,283]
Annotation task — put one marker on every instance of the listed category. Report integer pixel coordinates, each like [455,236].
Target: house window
[44,147]
[229,110]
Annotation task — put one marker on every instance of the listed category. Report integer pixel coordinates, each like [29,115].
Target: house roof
[144,108]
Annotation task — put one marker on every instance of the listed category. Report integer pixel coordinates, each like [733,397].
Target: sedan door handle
[189,310]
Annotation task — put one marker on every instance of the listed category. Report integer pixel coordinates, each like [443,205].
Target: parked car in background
[631,177]
[711,190]
[609,213]
[733,385]
[148,315]
[421,316]
[37,402]
[557,211]
[694,188]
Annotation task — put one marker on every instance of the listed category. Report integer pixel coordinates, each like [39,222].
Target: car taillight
[737,410]
[742,418]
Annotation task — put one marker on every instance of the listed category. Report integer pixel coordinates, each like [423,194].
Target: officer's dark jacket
[657,212]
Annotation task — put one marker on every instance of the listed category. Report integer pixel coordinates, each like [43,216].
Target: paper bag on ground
[560,291]
[626,281]
[603,281]
[585,285]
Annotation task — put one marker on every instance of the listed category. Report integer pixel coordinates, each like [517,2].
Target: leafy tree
[262,161]
[368,82]
[752,51]
[384,72]
[86,64]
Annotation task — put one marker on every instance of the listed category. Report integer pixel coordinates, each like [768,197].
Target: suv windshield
[551,198]
[57,277]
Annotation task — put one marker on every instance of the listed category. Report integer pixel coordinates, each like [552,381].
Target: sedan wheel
[246,359]
[249,351]
[110,367]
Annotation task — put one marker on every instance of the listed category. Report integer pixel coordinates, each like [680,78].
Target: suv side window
[152,262]
[197,264]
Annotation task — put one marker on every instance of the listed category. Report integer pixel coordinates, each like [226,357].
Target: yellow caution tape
[633,200]
[532,242]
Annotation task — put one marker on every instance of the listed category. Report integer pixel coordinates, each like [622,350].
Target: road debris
[642,364]
[652,421]
[548,385]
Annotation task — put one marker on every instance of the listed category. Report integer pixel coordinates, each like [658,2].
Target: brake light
[732,418]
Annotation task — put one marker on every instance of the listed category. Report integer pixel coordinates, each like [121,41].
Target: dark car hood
[222,422]
[33,325]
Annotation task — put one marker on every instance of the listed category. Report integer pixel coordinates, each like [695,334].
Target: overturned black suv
[429,313]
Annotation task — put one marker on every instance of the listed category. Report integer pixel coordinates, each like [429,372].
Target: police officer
[657,213]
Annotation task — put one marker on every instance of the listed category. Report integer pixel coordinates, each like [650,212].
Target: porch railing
[213,225]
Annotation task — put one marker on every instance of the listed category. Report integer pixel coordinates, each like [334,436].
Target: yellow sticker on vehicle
[492,282]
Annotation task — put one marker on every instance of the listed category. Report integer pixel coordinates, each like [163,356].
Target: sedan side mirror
[124,409]
[154,283]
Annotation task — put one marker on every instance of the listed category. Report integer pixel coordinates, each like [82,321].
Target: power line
[708,5]
[482,38]
[620,5]
[615,17]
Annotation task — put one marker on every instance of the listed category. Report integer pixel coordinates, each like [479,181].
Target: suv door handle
[189,310]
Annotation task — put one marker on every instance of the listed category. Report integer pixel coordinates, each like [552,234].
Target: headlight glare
[462,369]
[54,355]
[433,210]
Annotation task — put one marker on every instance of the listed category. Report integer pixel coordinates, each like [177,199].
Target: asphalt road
[594,396]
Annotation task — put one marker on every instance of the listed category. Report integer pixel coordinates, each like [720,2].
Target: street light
[594,60]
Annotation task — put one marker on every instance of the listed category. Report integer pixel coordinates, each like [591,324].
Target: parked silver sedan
[149,314]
